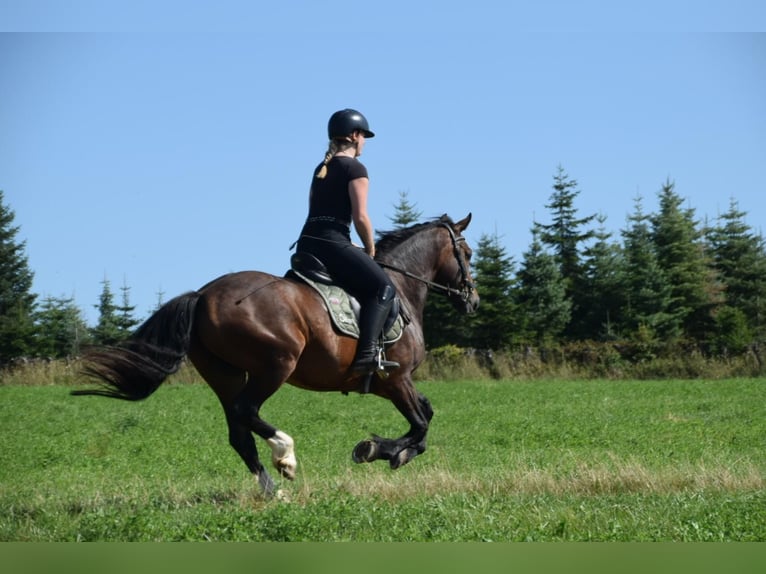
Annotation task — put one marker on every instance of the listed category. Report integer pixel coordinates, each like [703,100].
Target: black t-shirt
[329,203]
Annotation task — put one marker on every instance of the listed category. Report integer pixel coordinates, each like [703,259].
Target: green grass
[507,461]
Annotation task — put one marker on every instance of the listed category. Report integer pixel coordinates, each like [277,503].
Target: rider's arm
[357,190]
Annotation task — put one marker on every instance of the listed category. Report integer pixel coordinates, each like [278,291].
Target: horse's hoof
[365,451]
[286,471]
[402,458]
[268,489]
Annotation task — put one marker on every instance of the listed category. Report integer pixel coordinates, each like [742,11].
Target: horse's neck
[420,259]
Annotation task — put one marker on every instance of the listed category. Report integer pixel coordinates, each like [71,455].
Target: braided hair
[331,151]
[336,145]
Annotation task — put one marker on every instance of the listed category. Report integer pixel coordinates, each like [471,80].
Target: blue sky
[164,144]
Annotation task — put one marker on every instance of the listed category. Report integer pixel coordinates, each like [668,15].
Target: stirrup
[383,365]
[379,366]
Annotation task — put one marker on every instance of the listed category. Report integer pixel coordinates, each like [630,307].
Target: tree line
[54,327]
[668,280]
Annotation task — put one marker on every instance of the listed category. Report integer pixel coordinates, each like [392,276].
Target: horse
[249,332]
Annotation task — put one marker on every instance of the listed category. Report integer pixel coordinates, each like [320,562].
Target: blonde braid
[331,151]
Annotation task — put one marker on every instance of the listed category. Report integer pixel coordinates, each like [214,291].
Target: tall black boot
[368,351]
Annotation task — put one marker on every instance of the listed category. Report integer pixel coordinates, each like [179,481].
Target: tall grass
[580,360]
[585,360]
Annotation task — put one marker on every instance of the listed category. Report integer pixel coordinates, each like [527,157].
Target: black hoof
[268,489]
[365,451]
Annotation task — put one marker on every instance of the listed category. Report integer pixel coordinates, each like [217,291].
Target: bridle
[466,286]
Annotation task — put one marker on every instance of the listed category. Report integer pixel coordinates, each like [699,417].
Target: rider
[338,196]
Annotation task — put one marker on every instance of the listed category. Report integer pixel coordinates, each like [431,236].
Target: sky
[161,145]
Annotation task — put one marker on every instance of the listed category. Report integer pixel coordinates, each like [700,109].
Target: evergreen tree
[739,256]
[160,299]
[17,302]
[565,235]
[733,334]
[646,288]
[495,322]
[603,293]
[405,213]
[443,324]
[681,256]
[107,331]
[542,294]
[125,319]
[62,329]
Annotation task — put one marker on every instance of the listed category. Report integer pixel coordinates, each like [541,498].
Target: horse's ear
[461,225]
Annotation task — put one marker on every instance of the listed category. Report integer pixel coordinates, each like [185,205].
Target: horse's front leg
[417,410]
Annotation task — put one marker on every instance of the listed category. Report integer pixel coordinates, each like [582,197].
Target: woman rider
[338,196]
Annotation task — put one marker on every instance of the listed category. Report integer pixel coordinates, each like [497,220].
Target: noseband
[466,286]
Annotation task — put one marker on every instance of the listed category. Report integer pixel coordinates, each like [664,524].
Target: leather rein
[467,286]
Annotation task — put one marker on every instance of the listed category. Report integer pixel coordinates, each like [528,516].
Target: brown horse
[247,333]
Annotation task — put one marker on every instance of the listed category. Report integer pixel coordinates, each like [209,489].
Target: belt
[328,219]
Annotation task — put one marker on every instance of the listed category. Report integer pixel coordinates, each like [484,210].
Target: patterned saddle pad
[344,310]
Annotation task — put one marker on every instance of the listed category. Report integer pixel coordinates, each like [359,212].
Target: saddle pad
[338,303]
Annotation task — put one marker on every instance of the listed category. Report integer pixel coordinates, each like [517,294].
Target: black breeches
[351,268]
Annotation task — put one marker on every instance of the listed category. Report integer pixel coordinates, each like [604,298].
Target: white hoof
[283,454]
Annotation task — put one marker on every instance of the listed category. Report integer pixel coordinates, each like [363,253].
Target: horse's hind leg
[247,405]
[246,414]
[241,440]
[228,383]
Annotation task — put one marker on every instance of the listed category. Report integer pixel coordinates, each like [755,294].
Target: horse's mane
[390,239]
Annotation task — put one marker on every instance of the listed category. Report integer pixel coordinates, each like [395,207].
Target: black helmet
[345,122]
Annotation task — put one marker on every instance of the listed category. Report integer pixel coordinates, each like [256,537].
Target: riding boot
[368,351]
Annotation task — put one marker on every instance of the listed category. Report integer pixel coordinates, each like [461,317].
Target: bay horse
[249,332]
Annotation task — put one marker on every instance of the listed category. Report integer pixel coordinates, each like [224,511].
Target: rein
[438,286]
[464,292]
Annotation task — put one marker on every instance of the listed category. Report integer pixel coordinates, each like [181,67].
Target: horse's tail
[134,369]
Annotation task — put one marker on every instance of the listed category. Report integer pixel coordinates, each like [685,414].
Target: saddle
[344,309]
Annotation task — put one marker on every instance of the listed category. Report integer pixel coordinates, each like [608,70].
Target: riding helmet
[345,122]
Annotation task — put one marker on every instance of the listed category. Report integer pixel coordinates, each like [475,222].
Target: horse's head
[454,266]
[435,254]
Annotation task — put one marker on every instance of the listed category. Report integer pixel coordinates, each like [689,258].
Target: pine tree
[107,330]
[443,324]
[125,319]
[565,235]
[646,288]
[495,323]
[542,294]
[682,258]
[62,329]
[603,295]
[739,256]
[17,302]
[733,334]
[160,299]
[405,213]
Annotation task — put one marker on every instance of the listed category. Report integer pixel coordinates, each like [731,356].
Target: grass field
[507,461]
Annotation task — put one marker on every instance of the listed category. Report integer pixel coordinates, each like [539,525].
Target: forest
[667,285]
